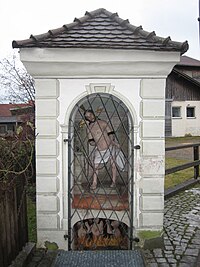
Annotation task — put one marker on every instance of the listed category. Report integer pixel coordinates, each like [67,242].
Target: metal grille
[100,172]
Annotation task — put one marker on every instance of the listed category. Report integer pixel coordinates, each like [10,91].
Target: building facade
[183,99]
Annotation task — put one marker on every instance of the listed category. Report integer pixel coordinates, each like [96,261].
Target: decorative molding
[99,88]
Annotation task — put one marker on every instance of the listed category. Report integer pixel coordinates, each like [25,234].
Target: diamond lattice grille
[100,174]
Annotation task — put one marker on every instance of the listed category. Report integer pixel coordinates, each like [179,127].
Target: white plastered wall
[63,77]
[183,126]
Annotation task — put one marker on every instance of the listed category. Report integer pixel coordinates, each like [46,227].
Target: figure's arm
[113,140]
[111,135]
[91,140]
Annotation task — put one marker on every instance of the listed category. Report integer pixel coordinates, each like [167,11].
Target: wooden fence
[13,219]
[195,163]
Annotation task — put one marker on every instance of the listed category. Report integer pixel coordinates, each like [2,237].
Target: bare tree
[17,85]
[17,151]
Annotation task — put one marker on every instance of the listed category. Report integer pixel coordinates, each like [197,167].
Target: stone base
[153,243]
[151,239]
[49,238]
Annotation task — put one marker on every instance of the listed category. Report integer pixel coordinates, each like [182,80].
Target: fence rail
[13,219]
[195,163]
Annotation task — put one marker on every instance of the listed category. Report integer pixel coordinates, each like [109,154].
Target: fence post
[196,157]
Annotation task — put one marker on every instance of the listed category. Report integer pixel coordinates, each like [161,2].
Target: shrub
[17,153]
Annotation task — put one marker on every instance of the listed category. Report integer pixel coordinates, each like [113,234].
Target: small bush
[188,135]
[17,154]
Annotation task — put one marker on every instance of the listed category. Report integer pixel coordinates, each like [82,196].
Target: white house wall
[138,79]
[186,126]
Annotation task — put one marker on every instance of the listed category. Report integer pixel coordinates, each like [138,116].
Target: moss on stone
[148,234]
[151,239]
[51,245]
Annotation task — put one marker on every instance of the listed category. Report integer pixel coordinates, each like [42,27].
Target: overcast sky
[175,18]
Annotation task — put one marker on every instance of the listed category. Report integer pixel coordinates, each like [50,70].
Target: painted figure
[81,230]
[106,148]
[97,227]
[116,230]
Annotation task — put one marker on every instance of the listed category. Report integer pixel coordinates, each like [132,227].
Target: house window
[176,112]
[2,129]
[190,112]
[11,127]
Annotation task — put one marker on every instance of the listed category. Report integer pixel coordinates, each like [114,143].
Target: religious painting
[101,157]
[100,233]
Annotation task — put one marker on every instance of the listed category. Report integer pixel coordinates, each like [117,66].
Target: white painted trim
[106,88]
[99,88]
[98,55]
[97,63]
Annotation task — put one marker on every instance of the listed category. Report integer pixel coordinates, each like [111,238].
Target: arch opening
[100,167]
[100,233]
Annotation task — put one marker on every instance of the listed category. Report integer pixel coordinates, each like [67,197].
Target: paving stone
[193,246]
[158,253]
[171,255]
[177,257]
[184,264]
[168,252]
[178,252]
[178,238]
[176,243]
[184,240]
[190,259]
[172,260]
[161,260]
[148,253]
[167,242]
[192,252]
[170,248]
[197,246]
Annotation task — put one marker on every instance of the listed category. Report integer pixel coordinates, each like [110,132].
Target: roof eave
[186,77]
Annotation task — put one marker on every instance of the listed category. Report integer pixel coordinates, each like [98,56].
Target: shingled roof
[189,62]
[101,29]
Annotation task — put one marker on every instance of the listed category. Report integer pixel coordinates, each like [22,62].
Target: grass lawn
[171,141]
[31,209]
[179,158]
[31,213]
[179,177]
